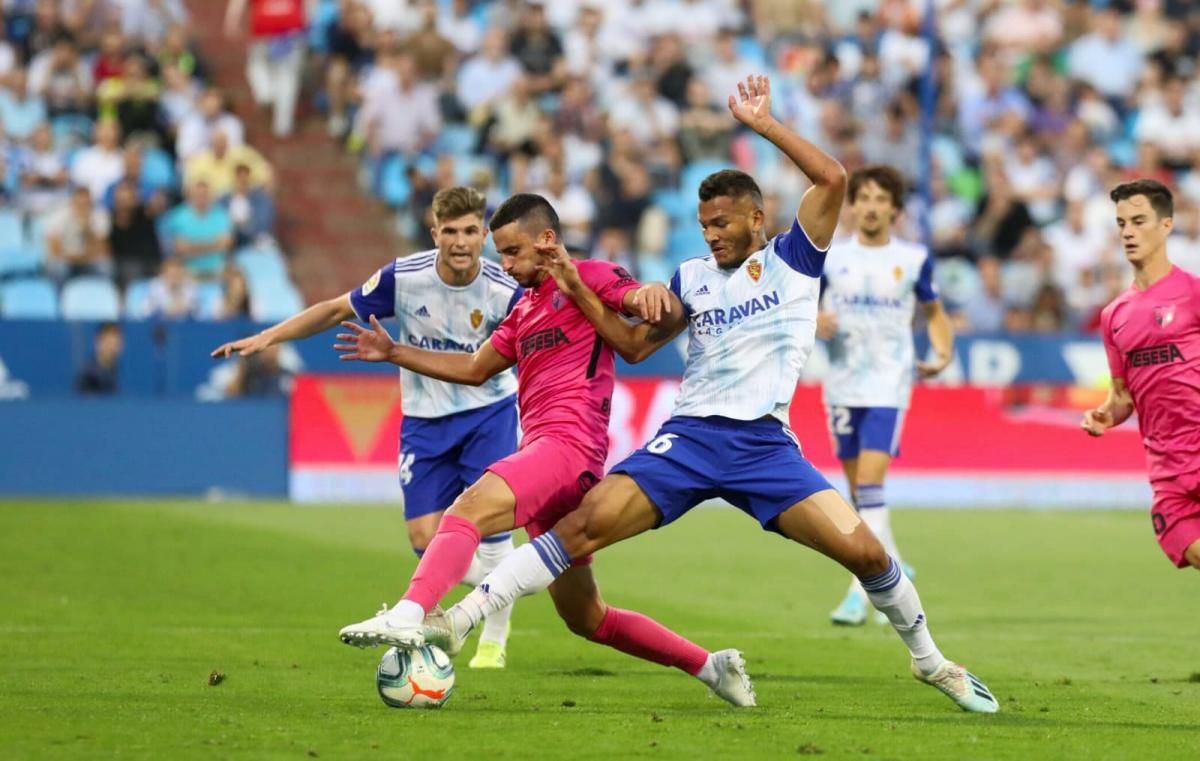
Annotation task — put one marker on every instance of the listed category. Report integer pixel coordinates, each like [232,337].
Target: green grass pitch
[113,615]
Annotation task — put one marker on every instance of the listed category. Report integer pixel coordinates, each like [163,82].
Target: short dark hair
[1156,193]
[886,177]
[529,209]
[732,183]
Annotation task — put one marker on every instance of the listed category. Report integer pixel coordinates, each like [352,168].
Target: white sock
[406,613]
[892,593]
[492,552]
[708,673]
[528,569]
[487,556]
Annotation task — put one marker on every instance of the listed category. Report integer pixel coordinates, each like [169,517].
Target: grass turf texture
[114,615]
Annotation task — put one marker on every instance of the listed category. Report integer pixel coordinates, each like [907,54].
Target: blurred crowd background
[129,190]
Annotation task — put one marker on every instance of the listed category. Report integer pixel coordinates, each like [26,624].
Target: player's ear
[547,237]
[1168,224]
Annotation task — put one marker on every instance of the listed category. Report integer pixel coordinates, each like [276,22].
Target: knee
[419,537]
[582,617]
[867,556]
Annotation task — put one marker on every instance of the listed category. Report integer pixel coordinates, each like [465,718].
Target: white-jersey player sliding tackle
[750,310]
[446,299]
[873,281]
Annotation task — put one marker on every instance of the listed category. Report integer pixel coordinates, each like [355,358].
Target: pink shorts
[1176,520]
[549,479]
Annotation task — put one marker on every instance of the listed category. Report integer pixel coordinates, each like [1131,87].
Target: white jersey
[750,330]
[873,291]
[433,315]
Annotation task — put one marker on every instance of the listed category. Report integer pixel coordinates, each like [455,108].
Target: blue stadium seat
[394,187]
[137,299]
[71,131]
[749,48]
[685,242]
[679,208]
[158,171]
[30,299]
[459,139]
[694,174]
[275,304]
[263,267]
[12,232]
[90,298]
[208,300]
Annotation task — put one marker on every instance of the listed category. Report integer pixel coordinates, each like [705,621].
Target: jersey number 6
[661,444]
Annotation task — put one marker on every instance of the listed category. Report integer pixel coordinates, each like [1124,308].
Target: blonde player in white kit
[750,310]
[447,299]
[873,281]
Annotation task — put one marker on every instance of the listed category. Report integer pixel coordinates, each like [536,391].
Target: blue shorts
[755,465]
[440,457]
[857,428]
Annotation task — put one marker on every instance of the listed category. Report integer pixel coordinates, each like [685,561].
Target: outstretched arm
[375,345]
[818,212]
[661,310]
[316,319]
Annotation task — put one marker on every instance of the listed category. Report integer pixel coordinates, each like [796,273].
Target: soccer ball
[422,678]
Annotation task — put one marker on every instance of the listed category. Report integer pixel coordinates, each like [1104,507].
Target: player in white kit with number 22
[873,281]
[750,310]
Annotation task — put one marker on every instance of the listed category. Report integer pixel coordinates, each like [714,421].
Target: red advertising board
[346,428]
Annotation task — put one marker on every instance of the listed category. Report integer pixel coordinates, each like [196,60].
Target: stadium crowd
[614,109]
[127,187]
[122,163]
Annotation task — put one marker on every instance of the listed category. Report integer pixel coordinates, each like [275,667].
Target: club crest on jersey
[370,285]
[476,319]
[754,269]
[556,300]
[1164,316]
[898,273]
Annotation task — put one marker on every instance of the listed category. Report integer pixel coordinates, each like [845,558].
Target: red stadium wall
[961,446]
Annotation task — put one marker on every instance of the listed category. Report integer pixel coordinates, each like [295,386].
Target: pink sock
[642,637]
[445,562]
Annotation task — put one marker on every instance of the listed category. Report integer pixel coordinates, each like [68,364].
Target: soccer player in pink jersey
[564,391]
[1152,336]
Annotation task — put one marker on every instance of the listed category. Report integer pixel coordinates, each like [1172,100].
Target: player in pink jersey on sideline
[564,391]
[1152,336]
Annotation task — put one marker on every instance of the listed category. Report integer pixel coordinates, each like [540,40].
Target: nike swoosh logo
[1117,329]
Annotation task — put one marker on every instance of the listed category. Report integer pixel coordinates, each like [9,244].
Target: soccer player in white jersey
[873,281]
[750,309]
[446,299]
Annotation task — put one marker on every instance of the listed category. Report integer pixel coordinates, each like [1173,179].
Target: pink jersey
[1153,341]
[565,371]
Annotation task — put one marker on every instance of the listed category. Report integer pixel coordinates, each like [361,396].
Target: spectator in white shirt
[648,116]
[1105,58]
[197,129]
[1171,125]
[100,165]
[488,75]
[460,27]
[59,76]
[172,295]
[404,118]
[77,239]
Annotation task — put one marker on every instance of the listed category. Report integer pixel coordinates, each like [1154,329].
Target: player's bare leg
[866,473]
[825,522]
[1192,554]
[852,610]
[486,507]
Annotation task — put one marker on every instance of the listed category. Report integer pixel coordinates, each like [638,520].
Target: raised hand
[826,325]
[366,345]
[557,263]
[243,346]
[752,106]
[652,300]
